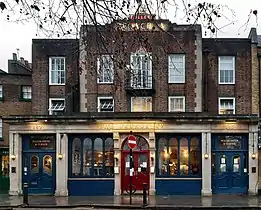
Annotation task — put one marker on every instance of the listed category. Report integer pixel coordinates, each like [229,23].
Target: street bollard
[145,201]
[25,193]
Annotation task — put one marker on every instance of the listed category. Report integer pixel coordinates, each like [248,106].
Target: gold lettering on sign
[130,126]
[36,127]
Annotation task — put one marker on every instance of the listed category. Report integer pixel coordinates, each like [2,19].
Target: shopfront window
[178,156]
[95,158]
[5,166]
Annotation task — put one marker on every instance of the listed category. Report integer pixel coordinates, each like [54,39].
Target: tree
[64,17]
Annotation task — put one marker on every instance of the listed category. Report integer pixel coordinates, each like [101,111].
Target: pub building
[196,156]
[191,106]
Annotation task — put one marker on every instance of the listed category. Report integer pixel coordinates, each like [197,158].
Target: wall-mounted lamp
[253,150]
[13,157]
[206,155]
[116,159]
[60,156]
[206,149]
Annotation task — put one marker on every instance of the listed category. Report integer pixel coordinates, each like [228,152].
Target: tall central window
[57,71]
[92,156]
[141,70]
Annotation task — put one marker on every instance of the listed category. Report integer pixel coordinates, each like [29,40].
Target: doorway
[141,165]
[230,165]
[40,170]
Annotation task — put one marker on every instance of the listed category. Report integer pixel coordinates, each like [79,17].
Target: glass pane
[127,165]
[236,163]
[76,157]
[87,156]
[98,157]
[5,165]
[173,156]
[223,163]
[141,144]
[34,164]
[183,153]
[47,164]
[195,156]
[109,157]
[143,164]
[163,157]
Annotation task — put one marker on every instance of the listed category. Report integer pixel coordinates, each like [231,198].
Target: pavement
[122,202]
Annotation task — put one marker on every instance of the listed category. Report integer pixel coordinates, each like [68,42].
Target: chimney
[15,56]
[22,60]
[26,63]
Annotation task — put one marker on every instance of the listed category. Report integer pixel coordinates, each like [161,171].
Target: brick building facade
[15,99]
[190,102]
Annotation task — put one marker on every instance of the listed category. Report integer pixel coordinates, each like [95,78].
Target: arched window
[98,157]
[109,156]
[87,156]
[178,155]
[92,156]
[76,157]
[141,142]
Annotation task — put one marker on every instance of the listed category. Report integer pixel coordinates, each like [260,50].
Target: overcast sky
[15,36]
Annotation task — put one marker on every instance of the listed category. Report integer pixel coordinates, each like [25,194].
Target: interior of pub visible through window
[94,158]
[5,166]
[179,156]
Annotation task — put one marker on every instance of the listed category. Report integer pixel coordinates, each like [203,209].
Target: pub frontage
[80,156]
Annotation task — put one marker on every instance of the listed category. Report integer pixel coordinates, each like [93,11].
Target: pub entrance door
[39,161]
[141,165]
[230,165]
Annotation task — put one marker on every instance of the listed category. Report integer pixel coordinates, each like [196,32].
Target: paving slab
[122,202]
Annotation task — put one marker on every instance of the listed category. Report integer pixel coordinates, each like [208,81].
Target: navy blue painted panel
[91,187]
[229,178]
[215,138]
[178,187]
[41,170]
[26,143]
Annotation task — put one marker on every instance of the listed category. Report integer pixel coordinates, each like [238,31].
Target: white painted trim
[54,99]
[105,97]
[50,67]
[234,70]
[184,72]
[227,98]
[184,102]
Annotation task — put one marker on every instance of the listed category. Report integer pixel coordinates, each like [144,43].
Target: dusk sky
[15,36]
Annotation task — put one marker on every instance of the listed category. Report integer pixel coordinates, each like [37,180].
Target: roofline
[163,116]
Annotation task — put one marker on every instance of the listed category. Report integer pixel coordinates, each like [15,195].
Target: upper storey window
[57,71]
[176,68]
[226,69]
[105,72]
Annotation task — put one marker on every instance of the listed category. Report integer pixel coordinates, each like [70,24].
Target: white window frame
[170,69]
[226,98]
[132,98]
[99,66]
[99,103]
[136,71]
[177,97]
[50,71]
[50,104]
[234,71]
[22,91]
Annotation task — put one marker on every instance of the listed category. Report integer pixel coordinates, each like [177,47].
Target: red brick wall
[160,44]
[242,90]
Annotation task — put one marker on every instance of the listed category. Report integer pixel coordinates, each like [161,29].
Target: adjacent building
[15,99]
[191,103]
